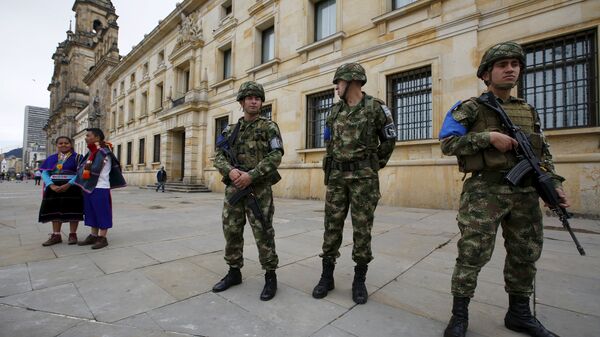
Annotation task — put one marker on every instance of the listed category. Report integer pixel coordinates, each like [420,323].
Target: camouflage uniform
[259,152]
[488,201]
[356,149]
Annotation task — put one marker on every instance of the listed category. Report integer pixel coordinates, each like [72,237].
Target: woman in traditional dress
[100,172]
[62,200]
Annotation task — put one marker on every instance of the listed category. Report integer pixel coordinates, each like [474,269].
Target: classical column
[192,153]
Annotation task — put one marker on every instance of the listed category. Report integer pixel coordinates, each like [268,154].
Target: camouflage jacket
[254,150]
[476,140]
[354,134]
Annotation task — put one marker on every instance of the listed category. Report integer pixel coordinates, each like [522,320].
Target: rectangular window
[227,8]
[160,58]
[324,19]
[129,150]
[400,3]
[122,87]
[268,44]
[159,93]
[560,79]
[220,125]
[114,94]
[226,63]
[131,110]
[267,111]
[317,106]
[409,94]
[121,115]
[132,80]
[119,151]
[142,151]
[145,70]
[156,157]
[113,120]
[144,103]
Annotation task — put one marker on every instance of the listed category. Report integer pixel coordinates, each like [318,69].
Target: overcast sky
[30,30]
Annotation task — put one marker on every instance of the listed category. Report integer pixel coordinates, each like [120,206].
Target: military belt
[349,166]
[497,177]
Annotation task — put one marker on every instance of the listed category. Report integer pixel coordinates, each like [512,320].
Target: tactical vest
[491,159]
[252,146]
[368,128]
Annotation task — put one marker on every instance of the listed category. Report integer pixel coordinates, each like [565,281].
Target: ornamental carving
[190,29]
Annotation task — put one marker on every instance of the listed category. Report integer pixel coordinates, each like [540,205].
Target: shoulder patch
[451,126]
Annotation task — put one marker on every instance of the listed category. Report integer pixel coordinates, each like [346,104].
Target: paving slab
[117,296]
[19,322]
[62,270]
[95,329]
[14,280]
[212,315]
[120,259]
[295,311]
[64,299]
[375,319]
[166,250]
[181,279]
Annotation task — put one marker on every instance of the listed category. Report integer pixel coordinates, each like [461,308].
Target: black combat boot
[270,286]
[359,290]
[326,282]
[519,318]
[457,327]
[233,277]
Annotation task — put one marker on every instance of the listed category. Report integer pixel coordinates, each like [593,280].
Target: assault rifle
[254,205]
[530,164]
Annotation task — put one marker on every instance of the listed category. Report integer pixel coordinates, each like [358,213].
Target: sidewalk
[166,252]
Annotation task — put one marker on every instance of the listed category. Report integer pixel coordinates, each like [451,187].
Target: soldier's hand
[243,180]
[234,174]
[564,202]
[502,142]
[55,188]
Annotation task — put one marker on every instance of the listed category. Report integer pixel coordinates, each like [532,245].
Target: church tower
[94,37]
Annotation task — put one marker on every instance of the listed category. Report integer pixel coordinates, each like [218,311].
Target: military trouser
[362,195]
[234,219]
[478,218]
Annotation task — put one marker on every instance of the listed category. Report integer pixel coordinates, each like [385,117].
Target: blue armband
[451,127]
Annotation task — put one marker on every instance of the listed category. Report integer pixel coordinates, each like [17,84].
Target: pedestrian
[37,177]
[473,132]
[161,179]
[256,147]
[62,201]
[360,136]
[99,172]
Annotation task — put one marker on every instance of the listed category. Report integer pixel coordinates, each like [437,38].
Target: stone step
[195,188]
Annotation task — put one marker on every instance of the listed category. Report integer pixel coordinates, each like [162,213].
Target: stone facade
[180,82]
[80,66]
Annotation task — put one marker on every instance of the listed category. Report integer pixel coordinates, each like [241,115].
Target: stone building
[175,91]
[80,65]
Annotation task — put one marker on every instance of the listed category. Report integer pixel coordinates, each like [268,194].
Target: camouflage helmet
[350,72]
[500,51]
[250,88]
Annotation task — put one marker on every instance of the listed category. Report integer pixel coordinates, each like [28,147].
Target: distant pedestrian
[37,177]
[100,172]
[161,178]
[62,201]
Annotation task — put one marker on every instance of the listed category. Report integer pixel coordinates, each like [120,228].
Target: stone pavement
[166,252]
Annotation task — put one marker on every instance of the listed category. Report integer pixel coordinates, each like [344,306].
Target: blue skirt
[97,208]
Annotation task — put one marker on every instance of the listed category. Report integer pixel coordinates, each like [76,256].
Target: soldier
[474,134]
[256,147]
[360,135]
